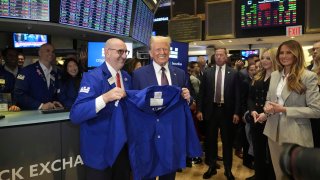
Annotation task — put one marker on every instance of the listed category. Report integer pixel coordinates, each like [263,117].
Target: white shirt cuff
[100,104]
[39,108]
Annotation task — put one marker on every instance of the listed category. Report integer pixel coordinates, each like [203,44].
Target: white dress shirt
[47,73]
[223,71]
[157,69]
[100,104]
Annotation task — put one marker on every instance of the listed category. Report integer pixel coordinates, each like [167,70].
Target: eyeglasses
[121,51]
[315,49]
[162,49]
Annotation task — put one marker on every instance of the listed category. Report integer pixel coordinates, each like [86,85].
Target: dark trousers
[221,120]
[119,170]
[170,176]
[262,160]
[315,125]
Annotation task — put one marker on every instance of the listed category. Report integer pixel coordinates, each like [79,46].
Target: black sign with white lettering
[186,29]
[46,151]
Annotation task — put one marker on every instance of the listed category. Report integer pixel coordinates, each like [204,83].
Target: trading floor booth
[39,146]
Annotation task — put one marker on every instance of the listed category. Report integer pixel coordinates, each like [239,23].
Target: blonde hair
[262,73]
[297,68]
[160,39]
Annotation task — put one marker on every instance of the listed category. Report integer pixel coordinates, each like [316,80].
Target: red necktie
[118,80]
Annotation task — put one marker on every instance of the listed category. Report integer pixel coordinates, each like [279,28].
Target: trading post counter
[39,147]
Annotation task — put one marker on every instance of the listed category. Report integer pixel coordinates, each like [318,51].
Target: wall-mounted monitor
[179,54]
[106,16]
[268,13]
[246,53]
[142,23]
[30,10]
[24,40]
[96,53]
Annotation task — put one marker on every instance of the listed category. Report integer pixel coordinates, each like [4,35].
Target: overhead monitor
[107,16]
[96,53]
[143,23]
[24,40]
[246,53]
[268,13]
[30,10]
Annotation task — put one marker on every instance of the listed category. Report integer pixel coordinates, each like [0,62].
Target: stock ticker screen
[111,16]
[268,13]
[25,9]
[143,23]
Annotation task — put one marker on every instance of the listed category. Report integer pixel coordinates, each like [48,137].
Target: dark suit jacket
[146,76]
[231,92]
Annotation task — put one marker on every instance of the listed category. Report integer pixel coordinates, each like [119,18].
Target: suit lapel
[212,75]
[107,75]
[125,80]
[173,75]
[226,78]
[152,75]
[285,93]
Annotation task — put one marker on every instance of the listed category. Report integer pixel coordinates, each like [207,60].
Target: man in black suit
[219,105]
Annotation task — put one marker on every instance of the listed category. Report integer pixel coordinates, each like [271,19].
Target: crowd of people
[275,99]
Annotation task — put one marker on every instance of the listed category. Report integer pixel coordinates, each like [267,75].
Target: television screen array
[143,23]
[107,16]
[23,40]
[30,10]
[268,13]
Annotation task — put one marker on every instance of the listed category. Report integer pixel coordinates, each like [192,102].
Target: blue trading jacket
[68,93]
[31,87]
[102,136]
[7,81]
[160,137]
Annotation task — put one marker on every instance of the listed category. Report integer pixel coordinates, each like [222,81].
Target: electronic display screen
[246,53]
[30,10]
[102,15]
[96,53]
[24,40]
[268,13]
[179,54]
[143,23]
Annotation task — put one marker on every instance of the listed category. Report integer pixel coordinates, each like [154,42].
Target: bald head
[46,54]
[116,52]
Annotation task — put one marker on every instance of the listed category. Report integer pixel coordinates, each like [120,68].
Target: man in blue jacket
[37,84]
[102,137]
[159,72]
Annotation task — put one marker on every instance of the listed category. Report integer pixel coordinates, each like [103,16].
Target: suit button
[158,136]
[158,120]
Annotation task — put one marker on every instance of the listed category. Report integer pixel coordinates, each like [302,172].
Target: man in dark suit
[159,72]
[219,105]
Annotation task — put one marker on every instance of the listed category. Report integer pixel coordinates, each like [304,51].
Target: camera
[299,162]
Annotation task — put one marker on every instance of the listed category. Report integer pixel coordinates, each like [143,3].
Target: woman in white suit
[293,98]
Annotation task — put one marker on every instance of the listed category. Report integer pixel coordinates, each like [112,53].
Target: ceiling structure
[268,41]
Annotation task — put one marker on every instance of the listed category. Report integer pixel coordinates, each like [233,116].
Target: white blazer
[294,125]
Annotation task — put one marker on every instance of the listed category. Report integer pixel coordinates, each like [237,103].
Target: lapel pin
[125,79]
